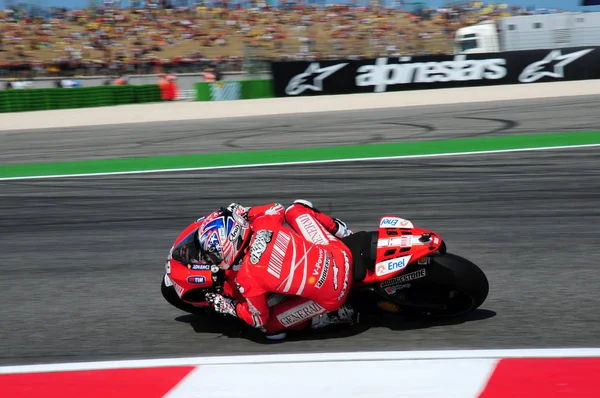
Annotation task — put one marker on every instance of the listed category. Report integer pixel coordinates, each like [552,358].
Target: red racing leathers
[305,262]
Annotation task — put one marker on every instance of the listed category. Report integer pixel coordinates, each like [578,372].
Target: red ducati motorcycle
[397,268]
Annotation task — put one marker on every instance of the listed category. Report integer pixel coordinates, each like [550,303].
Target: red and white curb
[430,374]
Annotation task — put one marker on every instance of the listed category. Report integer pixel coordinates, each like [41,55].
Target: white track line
[317,357]
[307,162]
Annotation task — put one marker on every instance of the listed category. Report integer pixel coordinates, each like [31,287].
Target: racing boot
[341,230]
[344,315]
[276,336]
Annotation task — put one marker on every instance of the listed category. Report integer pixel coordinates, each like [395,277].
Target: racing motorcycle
[399,268]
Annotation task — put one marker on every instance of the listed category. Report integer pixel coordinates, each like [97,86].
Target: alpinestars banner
[298,78]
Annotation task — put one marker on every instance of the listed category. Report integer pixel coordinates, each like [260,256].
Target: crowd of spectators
[101,41]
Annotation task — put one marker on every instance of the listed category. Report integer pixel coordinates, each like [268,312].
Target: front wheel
[168,292]
[453,286]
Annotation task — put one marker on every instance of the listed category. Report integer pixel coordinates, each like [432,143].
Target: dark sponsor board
[304,78]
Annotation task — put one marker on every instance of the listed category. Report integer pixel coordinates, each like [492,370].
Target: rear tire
[463,290]
[172,298]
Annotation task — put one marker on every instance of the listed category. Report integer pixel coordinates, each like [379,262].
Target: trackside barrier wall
[69,98]
[234,90]
[252,89]
[344,76]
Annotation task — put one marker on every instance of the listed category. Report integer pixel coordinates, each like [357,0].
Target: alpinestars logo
[537,70]
[297,85]
[459,69]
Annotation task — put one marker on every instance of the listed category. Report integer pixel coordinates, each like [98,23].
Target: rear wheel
[457,286]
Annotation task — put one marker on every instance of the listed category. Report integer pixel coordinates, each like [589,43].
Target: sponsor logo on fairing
[459,69]
[404,278]
[389,266]
[395,222]
[394,289]
[278,254]
[311,230]
[300,313]
[198,280]
[200,267]
[389,222]
[259,245]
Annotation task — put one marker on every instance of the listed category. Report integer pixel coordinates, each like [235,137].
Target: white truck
[530,32]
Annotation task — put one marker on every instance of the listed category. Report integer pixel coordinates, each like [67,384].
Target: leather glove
[342,229]
[239,210]
[222,304]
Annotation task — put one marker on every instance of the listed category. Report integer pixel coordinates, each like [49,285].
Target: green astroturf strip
[302,155]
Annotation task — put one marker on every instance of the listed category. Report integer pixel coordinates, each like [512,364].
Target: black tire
[172,298]
[464,288]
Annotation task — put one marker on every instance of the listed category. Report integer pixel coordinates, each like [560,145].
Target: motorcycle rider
[306,264]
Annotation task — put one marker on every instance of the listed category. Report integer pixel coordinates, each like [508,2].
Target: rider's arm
[255,311]
[274,211]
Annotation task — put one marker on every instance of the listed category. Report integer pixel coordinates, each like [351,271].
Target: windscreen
[187,250]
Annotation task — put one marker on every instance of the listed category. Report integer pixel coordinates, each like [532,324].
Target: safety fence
[20,100]
[84,97]
[234,90]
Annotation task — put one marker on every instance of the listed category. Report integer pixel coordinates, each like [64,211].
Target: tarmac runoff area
[504,211]
[178,111]
[96,294]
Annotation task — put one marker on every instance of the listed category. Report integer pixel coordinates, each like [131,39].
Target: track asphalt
[82,258]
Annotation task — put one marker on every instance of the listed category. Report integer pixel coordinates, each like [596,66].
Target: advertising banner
[304,78]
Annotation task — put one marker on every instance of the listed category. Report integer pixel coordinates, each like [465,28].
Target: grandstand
[140,36]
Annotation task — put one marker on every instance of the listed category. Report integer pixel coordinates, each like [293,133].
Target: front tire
[169,293]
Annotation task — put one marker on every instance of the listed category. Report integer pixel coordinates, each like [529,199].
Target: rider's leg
[298,313]
[333,225]
[318,227]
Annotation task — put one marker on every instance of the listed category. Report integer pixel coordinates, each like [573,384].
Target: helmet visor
[212,256]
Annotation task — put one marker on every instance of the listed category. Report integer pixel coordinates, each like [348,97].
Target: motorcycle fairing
[399,244]
[191,276]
